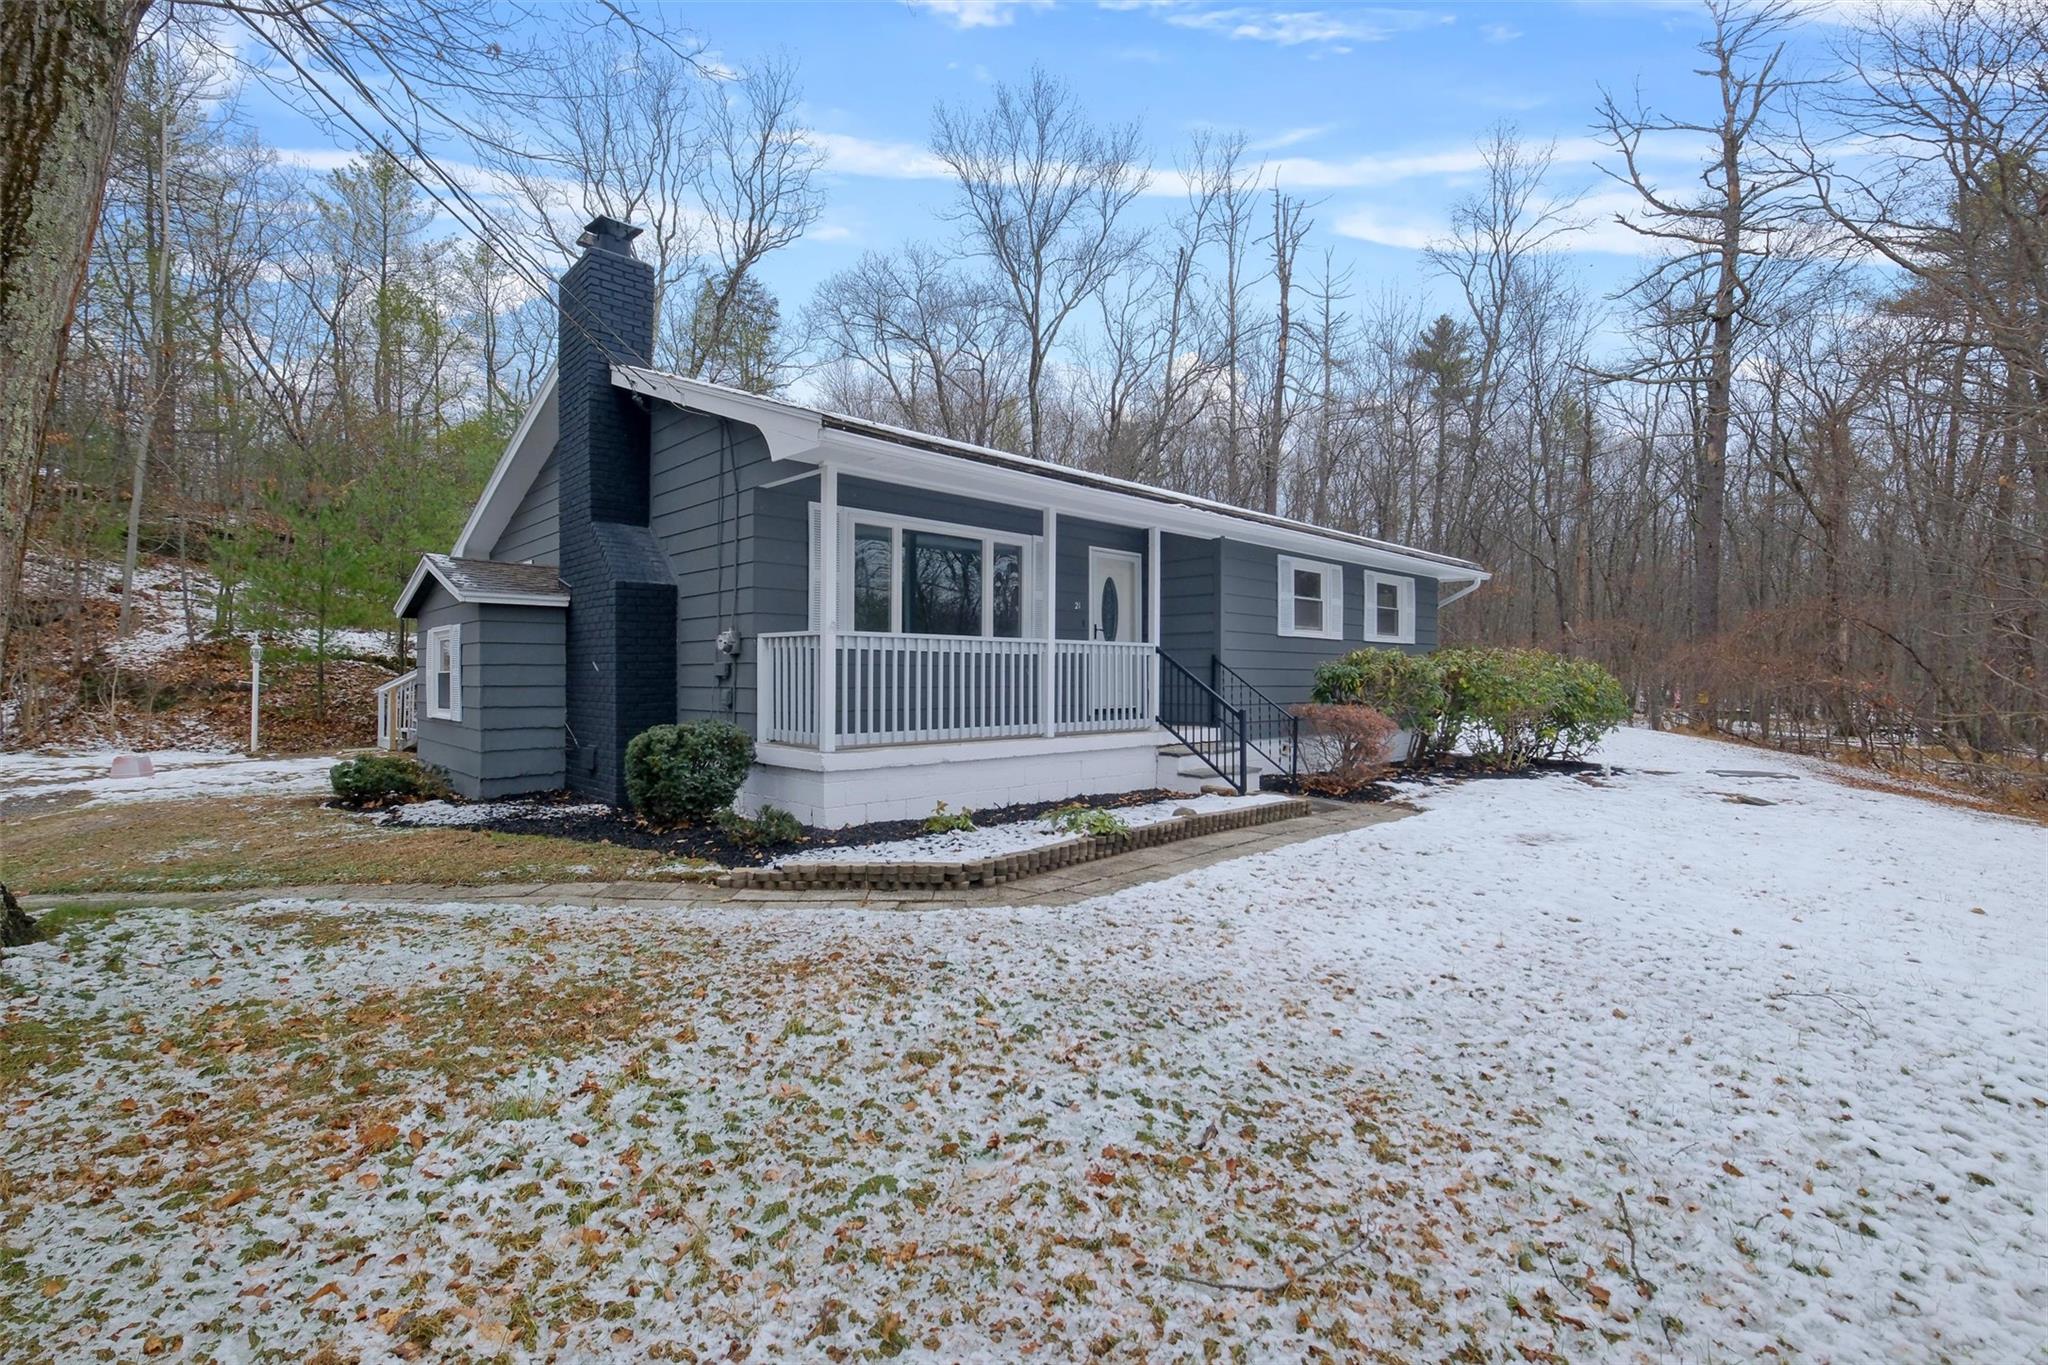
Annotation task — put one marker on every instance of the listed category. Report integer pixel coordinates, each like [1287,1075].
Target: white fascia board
[524,454]
[791,432]
[858,453]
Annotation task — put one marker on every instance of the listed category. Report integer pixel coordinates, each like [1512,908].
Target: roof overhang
[1134,504]
[517,467]
[791,432]
[428,569]
[877,450]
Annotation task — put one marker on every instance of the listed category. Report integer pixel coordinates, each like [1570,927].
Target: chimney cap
[605,233]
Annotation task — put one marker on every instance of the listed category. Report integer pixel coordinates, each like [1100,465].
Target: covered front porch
[929,633]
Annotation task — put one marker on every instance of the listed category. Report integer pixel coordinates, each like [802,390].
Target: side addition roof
[485,580]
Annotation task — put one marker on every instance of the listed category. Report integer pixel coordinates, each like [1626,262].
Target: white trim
[789,431]
[911,755]
[886,461]
[1405,602]
[1155,571]
[828,607]
[896,525]
[437,636]
[470,596]
[793,431]
[1096,555]
[1332,576]
[517,467]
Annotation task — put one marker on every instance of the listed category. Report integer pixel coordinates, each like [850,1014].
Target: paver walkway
[1066,886]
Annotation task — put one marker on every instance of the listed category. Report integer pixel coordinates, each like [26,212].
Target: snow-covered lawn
[1615,1069]
[460,814]
[180,774]
[994,841]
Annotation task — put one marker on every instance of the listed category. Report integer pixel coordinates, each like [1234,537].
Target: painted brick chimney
[622,599]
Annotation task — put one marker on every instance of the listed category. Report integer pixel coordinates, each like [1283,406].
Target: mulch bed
[708,843]
[1453,768]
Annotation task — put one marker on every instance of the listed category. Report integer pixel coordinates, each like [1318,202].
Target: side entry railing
[1270,728]
[1199,717]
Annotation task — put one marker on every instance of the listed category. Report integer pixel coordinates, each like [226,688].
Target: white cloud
[1499,33]
[846,154]
[1295,27]
[964,14]
[1290,137]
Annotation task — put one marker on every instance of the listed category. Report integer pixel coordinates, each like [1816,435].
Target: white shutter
[455,672]
[1286,605]
[817,616]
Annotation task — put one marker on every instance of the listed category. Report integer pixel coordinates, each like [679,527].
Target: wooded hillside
[1789,483]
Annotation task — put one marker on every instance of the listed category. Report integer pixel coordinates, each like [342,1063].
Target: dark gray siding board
[510,739]
[534,534]
[1283,666]
[1077,536]
[742,561]
[904,500]
[1190,609]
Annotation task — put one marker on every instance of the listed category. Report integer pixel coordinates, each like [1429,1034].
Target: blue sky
[1371,111]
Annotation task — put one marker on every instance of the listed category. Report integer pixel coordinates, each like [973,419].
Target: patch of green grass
[214,845]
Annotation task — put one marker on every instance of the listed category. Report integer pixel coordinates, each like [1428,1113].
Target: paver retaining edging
[1006,867]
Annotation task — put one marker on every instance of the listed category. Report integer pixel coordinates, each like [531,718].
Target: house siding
[509,740]
[761,538]
[1189,613]
[534,533]
[1283,666]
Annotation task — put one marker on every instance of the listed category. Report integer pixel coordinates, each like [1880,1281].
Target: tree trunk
[62,66]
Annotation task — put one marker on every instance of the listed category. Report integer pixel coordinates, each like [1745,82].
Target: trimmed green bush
[1511,706]
[372,780]
[1405,688]
[687,772]
[773,826]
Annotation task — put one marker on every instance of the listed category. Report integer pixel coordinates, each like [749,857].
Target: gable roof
[531,444]
[485,581]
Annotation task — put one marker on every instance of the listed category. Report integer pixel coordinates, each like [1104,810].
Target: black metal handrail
[1199,717]
[1269,726]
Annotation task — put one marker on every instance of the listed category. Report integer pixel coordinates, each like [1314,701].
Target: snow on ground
[1619,1068]
[180,774]
[996,840]
[457,813]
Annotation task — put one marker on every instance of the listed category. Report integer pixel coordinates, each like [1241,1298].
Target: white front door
[1113,603]
[1116,677]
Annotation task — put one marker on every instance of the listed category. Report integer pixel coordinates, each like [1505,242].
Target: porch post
[1048,682]
[1154,573]
[828,608]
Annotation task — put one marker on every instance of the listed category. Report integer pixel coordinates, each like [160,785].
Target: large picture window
[1311,598]
[925,578]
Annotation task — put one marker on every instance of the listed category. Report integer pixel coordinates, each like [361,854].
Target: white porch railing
[398,712]
[926,689]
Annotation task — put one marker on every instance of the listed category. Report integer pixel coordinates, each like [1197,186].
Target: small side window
[442,662]
[1390,609]
[1311,599]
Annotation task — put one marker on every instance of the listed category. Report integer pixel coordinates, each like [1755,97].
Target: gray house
[897,619]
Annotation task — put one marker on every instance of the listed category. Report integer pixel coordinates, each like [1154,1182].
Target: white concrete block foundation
[855,786]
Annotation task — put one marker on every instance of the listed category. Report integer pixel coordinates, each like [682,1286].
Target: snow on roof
[486,580]
[784,424]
